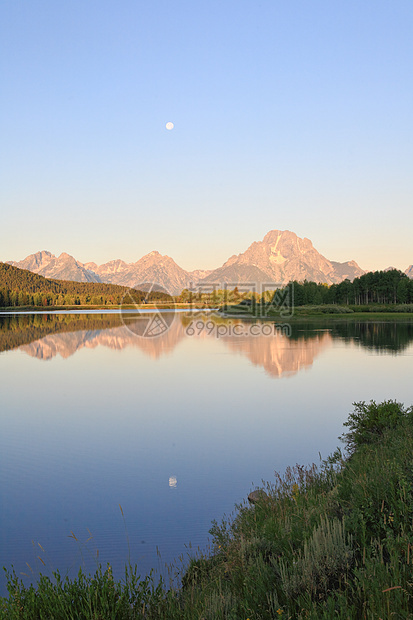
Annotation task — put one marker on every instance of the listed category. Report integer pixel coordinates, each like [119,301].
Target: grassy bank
[256,310]
[334,541]
[368,312]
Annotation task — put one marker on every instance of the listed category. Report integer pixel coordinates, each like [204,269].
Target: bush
[369,421]
[322,564]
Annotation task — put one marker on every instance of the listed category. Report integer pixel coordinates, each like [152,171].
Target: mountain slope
[63,267]
[151,268]
[282,256]
[16,279]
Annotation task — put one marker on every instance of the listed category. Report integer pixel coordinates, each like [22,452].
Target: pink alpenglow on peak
[280,257]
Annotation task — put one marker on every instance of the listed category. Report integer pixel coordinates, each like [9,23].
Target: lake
[174,421]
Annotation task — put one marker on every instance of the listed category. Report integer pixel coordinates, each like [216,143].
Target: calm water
[176,428]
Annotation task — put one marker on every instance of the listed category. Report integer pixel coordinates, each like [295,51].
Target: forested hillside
[20,287]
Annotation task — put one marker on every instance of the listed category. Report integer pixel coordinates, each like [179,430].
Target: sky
[287,115]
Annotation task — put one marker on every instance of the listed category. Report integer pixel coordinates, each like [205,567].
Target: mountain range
[280,257]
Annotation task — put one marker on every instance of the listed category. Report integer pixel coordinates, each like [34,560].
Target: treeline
[20,287]
[376,287]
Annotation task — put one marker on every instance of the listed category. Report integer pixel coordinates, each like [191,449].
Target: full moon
[169,125]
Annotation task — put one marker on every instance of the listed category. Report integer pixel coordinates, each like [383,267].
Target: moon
[169,125]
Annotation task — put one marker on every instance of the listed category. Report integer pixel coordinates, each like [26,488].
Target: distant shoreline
[303,313]
[114,308]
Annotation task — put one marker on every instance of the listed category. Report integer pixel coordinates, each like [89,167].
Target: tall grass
[327,541]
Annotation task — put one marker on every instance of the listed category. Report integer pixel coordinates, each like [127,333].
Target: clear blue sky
[288,114]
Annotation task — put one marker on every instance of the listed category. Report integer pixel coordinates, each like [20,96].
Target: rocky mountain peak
[66,257]
[281,256]
[35,261]
[44,254]
[64,267]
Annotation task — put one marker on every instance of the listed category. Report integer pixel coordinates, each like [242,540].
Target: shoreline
[300,312]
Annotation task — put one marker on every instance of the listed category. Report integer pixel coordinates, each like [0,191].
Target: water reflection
[277,354]
[378,336]
[175,429]
[19,329]
[280,355]
[45,336]
[116,338]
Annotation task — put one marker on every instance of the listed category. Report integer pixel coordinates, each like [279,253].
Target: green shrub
[199,571]
[321,564]
[369,421]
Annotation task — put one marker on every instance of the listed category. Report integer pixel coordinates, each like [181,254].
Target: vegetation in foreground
[334,541]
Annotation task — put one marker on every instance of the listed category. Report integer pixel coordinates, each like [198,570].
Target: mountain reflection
[46,336]
[281,355]
[116,338]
